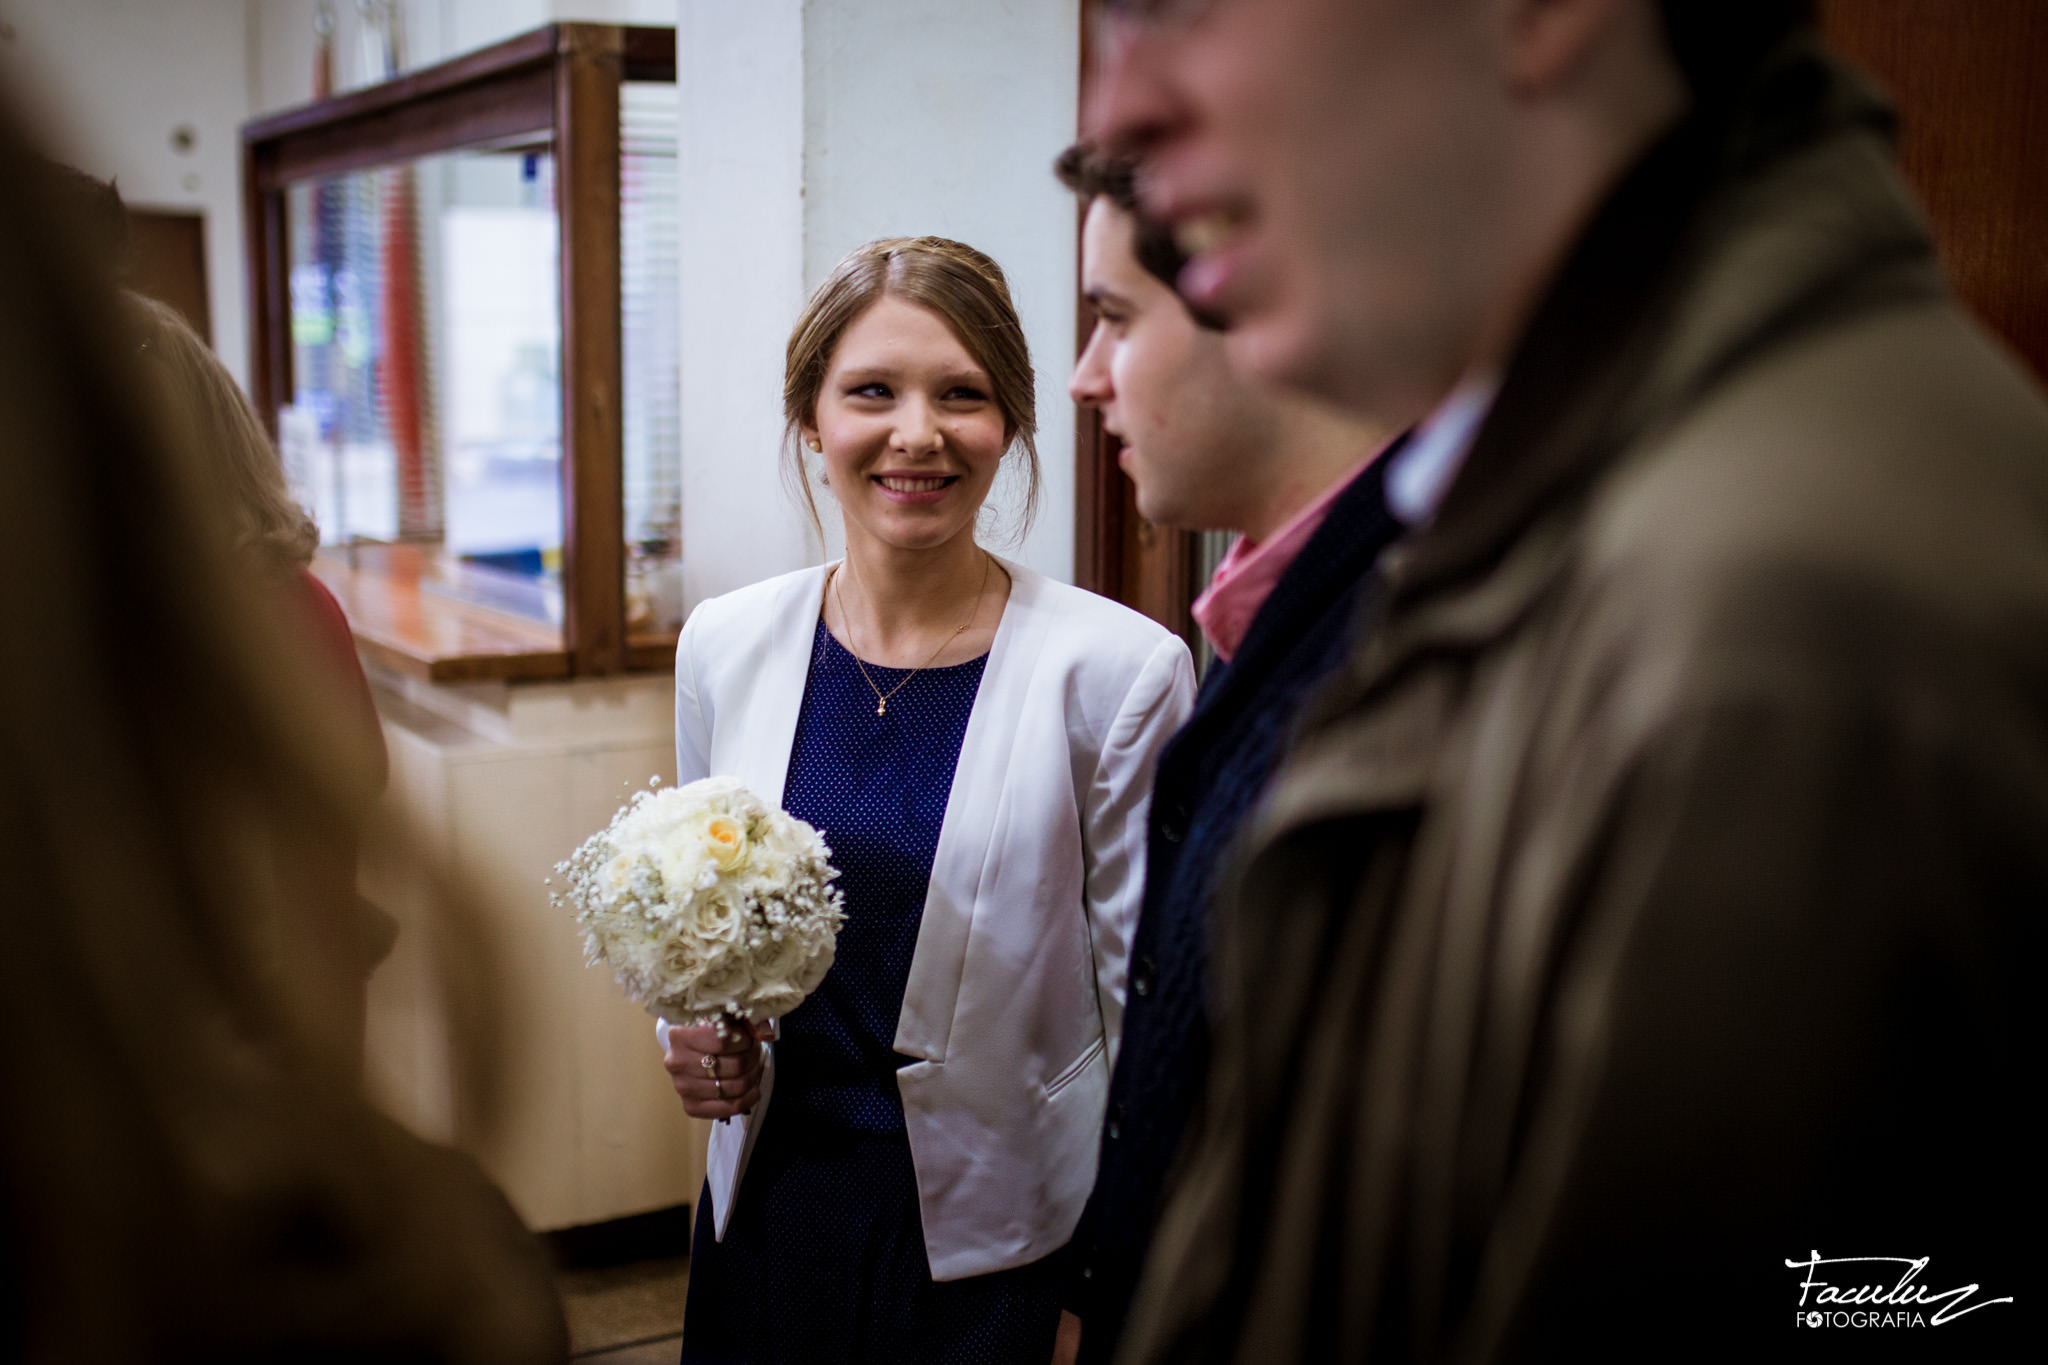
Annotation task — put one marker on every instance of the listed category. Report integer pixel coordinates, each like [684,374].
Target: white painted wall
[739,67]
[943,117]
[107,82]
[809,127]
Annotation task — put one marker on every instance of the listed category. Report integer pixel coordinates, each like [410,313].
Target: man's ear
[1549,40]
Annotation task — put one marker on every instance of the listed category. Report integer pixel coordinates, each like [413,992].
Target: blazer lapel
[769,734]
[972,818]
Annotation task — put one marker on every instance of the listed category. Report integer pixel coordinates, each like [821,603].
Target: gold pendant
[882,707]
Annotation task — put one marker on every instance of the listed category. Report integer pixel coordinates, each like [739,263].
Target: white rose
[681,957]
[782,960]
[726,976]
[616,876]
[725,841]
[820,962]
[713,917]
[772,1002]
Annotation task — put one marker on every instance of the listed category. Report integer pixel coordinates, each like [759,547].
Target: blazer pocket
[1076,1067]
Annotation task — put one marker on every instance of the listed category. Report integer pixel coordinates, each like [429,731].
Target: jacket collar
[1738,230]
[1743,224]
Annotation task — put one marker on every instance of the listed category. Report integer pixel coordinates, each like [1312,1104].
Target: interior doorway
[167,261]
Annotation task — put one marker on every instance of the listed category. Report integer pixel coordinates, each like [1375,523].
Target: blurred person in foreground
[1654,906]
[185,1174]
[333,938]
[1304,486]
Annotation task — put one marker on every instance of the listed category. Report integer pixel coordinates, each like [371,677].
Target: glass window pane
[425,423]
[649,198]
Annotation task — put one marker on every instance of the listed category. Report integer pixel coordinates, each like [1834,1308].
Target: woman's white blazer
[1016,988]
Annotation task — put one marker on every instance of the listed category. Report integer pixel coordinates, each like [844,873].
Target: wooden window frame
[561,82]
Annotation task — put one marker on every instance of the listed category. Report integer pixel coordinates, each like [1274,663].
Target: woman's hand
[716,1068]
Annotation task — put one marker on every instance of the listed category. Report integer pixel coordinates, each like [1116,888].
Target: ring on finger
[718,1087]
[709,1063]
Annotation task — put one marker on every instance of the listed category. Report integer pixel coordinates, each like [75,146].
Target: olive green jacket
[1653,901]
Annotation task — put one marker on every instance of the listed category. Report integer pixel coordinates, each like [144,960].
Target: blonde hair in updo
[241,462]
[961,285]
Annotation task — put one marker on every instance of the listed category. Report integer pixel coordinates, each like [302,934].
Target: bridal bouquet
[707,903]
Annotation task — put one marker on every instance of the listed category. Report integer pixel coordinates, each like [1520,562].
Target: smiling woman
[908,423]
[929,282]
[937,1101]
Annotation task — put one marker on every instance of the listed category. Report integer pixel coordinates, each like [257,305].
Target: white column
[943,117]
[809,128]
[739,64]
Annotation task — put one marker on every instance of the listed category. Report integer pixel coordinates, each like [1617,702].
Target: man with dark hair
[1643,929]
[1206,448]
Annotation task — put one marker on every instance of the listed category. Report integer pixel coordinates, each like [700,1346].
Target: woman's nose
[917,426]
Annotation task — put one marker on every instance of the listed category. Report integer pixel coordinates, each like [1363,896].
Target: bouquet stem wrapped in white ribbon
[707,903]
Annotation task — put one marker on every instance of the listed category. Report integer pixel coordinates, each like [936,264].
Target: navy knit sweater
[1210,776]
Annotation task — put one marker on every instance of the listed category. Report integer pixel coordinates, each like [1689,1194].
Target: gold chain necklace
[881,697]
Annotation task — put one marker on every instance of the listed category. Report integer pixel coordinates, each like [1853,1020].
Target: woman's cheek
[985,439]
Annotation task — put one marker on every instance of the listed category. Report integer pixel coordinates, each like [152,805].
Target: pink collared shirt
[1417,480]
[1248,572]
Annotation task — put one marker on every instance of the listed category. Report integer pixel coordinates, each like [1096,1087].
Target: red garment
[336,938]
[1249,570]
[338,644]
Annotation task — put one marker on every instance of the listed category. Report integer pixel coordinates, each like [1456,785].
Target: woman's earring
[817,445]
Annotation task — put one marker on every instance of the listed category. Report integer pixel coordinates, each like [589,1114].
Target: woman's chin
[914,529]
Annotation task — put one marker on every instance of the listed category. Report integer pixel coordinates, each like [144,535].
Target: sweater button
[1143,972]
[1173,823]
[1115,1127]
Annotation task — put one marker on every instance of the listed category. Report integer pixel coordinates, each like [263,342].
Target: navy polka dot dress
[823,1259]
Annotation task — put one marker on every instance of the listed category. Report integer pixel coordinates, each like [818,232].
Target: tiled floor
[627,1314]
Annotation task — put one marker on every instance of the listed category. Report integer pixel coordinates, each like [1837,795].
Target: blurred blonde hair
[238,455]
